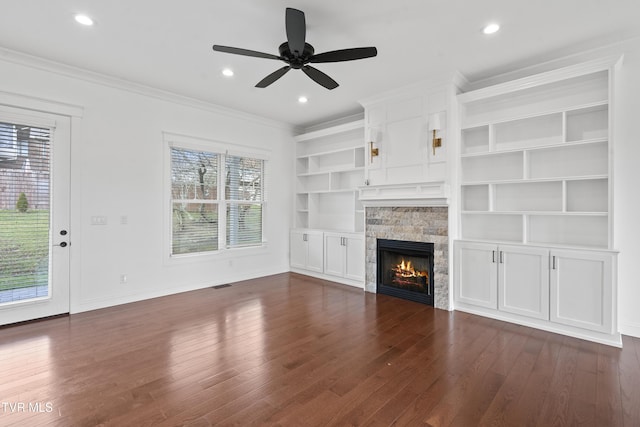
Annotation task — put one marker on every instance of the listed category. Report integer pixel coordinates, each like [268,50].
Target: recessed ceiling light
[491,28]
[227,72]
[83,19]
[303,100]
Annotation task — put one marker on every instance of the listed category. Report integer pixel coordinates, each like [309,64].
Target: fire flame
[405,269]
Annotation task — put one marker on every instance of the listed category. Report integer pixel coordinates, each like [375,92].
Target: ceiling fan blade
[296,30]
[273,77]
[319,77]
[344,55]
[245,52]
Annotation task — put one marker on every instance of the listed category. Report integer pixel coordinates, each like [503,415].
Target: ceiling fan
[298,54]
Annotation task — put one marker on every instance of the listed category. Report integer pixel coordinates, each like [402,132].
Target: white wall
[117,170]
[627,189]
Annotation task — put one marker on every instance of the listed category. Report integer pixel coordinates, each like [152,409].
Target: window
[217,200]
[194,194]
[243,192]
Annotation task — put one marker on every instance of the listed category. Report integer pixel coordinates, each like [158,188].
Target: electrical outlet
[123,278]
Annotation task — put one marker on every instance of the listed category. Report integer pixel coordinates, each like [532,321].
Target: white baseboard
[98,303]
[631,329]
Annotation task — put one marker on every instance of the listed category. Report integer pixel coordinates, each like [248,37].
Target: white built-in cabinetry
[538,286]
[329,168]
[343,255]
[535,186]
[307,247]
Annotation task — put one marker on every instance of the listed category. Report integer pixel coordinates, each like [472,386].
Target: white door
[34,214]
[476,274]
[315,245]
[298,248]
[581,289]
[334,254]
[354,262]
[523,281]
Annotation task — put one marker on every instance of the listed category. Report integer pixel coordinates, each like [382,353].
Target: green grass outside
[24,248]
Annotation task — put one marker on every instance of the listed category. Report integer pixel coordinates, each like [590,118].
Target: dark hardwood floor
[295,351]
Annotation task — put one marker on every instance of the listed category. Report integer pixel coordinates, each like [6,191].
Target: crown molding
[577,70]
[73,72]
[334,130]
[444,80]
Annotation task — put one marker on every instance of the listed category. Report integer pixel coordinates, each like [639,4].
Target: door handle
[493,257]
[553,262]
[501,257]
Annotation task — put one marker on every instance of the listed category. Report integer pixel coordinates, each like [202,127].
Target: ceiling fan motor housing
[296,61]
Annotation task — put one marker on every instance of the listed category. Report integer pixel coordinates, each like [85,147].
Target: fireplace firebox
[405,270]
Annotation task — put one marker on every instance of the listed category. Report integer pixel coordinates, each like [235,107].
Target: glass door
[34,215]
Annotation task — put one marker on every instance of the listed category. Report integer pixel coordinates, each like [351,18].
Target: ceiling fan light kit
[297,53]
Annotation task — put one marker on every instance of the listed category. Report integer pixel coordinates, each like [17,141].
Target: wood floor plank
[293,350]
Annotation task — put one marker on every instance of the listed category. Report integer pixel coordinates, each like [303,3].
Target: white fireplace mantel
[434,193]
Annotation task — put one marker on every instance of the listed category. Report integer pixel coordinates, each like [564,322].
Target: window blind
[194,201]
[244,194]
[24,211]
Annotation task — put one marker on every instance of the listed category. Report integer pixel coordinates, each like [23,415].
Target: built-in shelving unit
[329,170]
[535,165]
[328,236]
[535,201]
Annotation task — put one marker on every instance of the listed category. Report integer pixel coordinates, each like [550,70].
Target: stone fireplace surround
[420,223]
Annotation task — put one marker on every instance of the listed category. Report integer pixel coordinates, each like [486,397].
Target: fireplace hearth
[405,270]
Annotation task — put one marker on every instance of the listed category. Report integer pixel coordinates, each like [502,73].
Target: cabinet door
[334,254]
[476,272]
[354,258]
[582,289]
[523,281]
[298,249]
[315,251]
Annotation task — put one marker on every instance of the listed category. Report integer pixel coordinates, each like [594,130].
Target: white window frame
[222,149]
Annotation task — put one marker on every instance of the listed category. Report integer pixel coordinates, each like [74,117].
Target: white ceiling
[167,44]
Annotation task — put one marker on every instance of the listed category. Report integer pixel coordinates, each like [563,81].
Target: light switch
[98,220]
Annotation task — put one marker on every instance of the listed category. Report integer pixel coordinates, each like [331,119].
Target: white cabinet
[568,291]
[344,255]
[523,281]
[512,279]
[307,250]
[476,274]
[581,291]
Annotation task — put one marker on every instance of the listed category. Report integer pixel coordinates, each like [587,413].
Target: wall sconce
[372,138]
[435,125]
